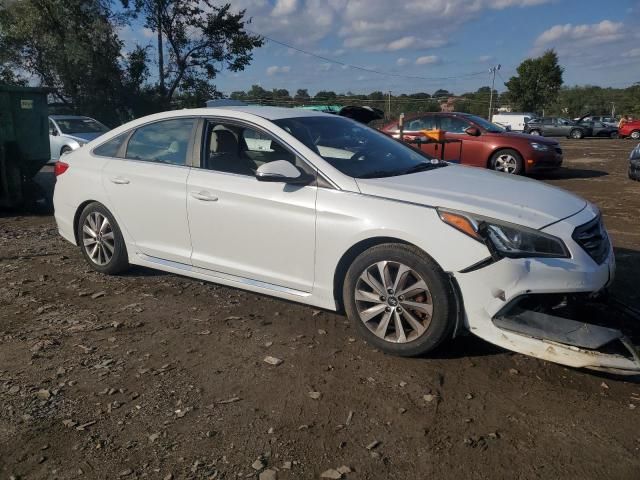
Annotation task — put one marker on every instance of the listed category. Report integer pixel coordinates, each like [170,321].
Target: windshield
[355,149]
[485,124]
[80,125]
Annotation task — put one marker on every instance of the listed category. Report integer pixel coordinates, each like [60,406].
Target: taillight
[60,168]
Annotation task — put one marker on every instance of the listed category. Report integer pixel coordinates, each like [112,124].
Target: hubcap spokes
[394,302]
[98,239]
[506,163]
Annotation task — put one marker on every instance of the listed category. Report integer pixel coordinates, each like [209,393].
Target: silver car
[68,132]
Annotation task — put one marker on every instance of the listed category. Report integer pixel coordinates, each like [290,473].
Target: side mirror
[507,128]
[473,131]
[53,132]
[282,171]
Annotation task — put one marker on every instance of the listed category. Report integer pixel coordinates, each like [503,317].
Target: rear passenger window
[111,148]
[163,142]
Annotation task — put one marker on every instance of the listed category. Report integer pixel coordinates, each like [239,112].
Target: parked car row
[322,210]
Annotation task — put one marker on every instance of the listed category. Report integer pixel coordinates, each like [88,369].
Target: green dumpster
[24,140]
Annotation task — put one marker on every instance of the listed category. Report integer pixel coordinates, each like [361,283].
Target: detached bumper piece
[544,317]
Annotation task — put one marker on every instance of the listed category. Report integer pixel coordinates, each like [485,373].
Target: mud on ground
[150,375]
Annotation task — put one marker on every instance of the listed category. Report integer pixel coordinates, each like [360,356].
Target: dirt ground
[157,376]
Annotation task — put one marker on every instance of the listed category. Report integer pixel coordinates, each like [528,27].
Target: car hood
[496,195]
[82,137]
[525,136]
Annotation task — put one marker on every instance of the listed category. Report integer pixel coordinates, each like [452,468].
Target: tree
[537,84]
[302,94]
[70,46]
[202,38]
[376,96]
[325,95]
[442,94]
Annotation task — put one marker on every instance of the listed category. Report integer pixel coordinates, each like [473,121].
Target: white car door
[259,231]
[147,188]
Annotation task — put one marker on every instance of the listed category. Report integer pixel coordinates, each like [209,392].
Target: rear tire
[408,309]
[65,149]
[635,134]
[507,160]
[101,240]
[576,134]
[613,135]
[535,132]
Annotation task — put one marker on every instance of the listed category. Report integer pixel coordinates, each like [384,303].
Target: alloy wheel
[506,163]
[98,238]
[393,302]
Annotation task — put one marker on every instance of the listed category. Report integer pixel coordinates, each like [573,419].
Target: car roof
[269,113]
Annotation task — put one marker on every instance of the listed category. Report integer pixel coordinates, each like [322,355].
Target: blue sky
[598,42]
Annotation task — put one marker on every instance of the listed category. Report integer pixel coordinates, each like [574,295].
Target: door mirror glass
[507,128]
[53,132]
[281,171]
[473,131]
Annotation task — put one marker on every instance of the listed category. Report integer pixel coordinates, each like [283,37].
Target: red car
[630,129]
[480,143]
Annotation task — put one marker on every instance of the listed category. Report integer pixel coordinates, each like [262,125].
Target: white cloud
[402,61]
[633,53]
[284,7]
[604,32]
[427,60]
[275,69]
[485,58]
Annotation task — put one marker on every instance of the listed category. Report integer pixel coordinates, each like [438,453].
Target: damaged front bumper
[542,307]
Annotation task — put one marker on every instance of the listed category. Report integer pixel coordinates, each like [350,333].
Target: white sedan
[318,209]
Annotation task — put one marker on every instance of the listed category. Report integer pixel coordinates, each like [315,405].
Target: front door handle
[204,196]
[119,180]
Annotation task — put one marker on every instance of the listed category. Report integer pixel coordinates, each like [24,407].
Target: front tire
[635,134]
[576,134]
[507,161]
[101,240]
[535,132]
[399,300]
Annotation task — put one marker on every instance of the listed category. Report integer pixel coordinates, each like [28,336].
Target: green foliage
[537,84]
[70,46]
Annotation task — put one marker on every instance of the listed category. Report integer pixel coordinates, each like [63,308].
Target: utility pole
[389,103]
[613,110]
[492,70]
[160,47]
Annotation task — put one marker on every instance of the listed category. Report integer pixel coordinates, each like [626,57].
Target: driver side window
[242,150]
[453,124]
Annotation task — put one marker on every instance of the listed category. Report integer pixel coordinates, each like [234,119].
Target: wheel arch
[76,217]
[502,147]
[347,259]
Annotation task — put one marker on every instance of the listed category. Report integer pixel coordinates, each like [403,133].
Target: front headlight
[506,239]
[539,146]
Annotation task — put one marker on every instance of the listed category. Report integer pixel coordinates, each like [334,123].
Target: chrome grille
[592,236]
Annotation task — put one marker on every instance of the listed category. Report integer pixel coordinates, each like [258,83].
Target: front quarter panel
[345,219]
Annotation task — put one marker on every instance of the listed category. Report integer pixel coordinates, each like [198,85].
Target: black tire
[535,132]
[576,134]
[119,261]
[635,134]
[65,149]
[442,320]
[495,164]
[613,135]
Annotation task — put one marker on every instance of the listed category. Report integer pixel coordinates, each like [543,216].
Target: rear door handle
[119,180]
[204,196]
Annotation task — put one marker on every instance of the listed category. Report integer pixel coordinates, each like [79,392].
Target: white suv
[319,209]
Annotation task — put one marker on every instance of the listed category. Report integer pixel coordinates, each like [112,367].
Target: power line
[364,69]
